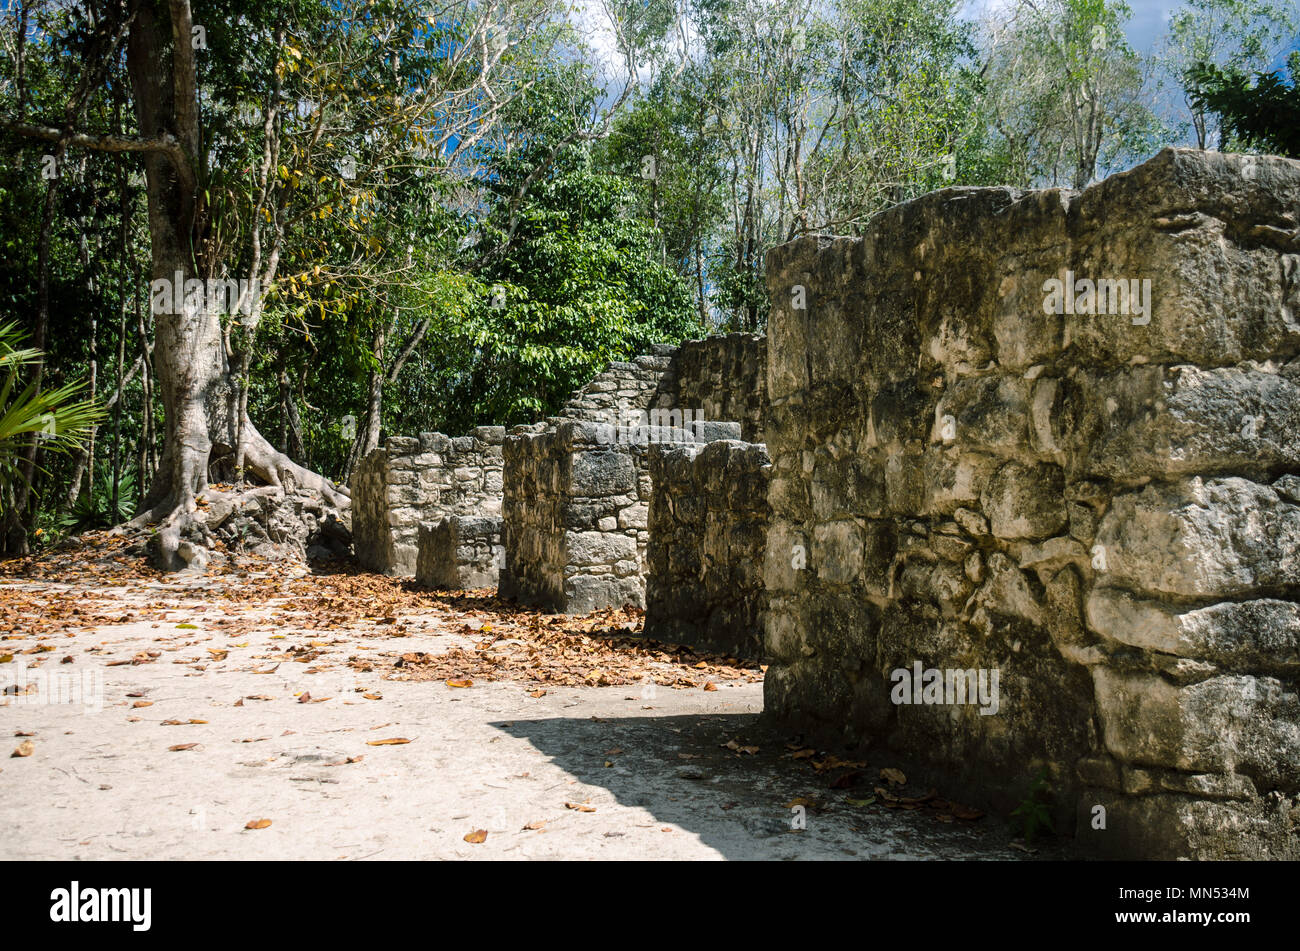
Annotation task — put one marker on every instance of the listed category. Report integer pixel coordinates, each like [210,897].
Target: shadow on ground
[679,770]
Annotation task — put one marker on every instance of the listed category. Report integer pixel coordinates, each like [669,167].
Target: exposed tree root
[184,530]
[274,467]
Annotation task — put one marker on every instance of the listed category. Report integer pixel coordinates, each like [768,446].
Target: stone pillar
[409,481]
[576,506]
[708,528]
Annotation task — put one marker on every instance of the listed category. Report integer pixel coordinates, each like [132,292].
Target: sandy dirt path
[575,772]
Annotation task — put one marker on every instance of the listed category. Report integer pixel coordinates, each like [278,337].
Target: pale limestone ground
[99,786]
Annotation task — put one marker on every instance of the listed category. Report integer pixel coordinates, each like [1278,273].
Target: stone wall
[704,562]
[725,378]
[1101,509]
[575,518]
[646,382]
[715,378]
[576,507]
[460,552]
[410,481]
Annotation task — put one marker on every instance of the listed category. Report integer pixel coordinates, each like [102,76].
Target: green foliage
[579,284]
[1264,115]
[96,508]
[1034,811]
[54,416]
[477,272]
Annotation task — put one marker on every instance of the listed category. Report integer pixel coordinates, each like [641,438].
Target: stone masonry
[645,382]
[716,378]
[977,469]
[708,528]
[577,499]
[460,552]
[725,378]
[408,482]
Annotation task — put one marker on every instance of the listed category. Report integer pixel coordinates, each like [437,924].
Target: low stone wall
[1099,509]
[409,481]
[576,507]
[460,552]
[708,528]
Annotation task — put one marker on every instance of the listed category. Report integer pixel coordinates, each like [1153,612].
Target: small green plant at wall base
[1033,812]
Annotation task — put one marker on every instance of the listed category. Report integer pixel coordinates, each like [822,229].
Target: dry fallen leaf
[892,775]
[537,694]
[580,807]
[181,746]
[258,824]
[350,759]
[25,748]
[710,686]
[460,683]
[143,703]
[535,825]
[392,741]
[476,837]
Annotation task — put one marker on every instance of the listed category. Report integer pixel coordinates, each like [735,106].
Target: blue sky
[1148,21]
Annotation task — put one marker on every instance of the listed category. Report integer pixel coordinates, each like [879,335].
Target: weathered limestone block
[1166,421]
[1202,538]
[1231,724]
[708,529]
[460,552]
[1262,634]
[1052,437]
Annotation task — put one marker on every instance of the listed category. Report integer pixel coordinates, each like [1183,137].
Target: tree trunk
[203,415]
[367,438]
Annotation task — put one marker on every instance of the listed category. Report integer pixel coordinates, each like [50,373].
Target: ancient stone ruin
[1031,517]
[1088,491]
[408,482]
[460,552]
[708,530]
[555,512]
